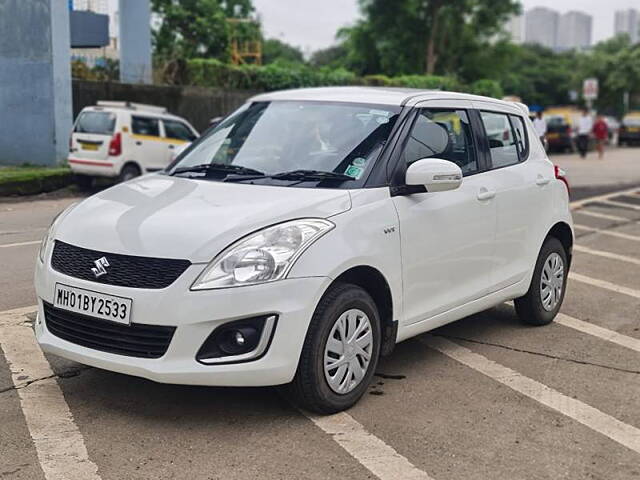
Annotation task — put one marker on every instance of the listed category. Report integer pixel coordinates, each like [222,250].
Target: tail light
[568,130]
[562,176]
[115,146]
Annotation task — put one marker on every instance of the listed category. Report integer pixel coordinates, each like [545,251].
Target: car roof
[376,95]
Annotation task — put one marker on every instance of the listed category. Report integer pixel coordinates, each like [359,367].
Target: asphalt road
[483,398]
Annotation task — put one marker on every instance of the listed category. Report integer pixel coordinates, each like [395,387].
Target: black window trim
[489,160]
[189,129]
[396,168]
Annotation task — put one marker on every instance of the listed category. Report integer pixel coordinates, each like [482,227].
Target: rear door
[148,147]
[177,134]
[92,135]
[521,176]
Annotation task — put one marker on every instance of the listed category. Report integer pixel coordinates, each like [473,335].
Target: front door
[447,238]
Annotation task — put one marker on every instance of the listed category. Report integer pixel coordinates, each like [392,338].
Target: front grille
[122,270]
[135,340]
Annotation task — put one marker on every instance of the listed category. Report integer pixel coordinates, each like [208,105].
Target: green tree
[421,36]
[197,28]
[275,50]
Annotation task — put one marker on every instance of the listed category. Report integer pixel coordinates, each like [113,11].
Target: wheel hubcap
[552,282]
[347,353]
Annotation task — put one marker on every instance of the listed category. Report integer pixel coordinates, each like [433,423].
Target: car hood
[172,217]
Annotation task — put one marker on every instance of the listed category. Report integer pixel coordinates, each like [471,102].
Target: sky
[312,24]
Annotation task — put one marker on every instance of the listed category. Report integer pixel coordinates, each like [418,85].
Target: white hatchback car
[124,140]
[306,235]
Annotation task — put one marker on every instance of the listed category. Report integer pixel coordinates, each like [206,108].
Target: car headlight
[48,237]
[264,256]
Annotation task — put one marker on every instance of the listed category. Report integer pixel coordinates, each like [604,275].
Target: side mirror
[434,174]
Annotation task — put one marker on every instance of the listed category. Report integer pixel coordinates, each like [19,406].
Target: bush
[427,82]
[377,81]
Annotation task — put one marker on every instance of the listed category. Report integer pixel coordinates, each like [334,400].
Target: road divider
[600,332]
[609,255]
[604,284]
[611,233]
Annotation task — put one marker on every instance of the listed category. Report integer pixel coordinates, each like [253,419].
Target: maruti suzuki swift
[304,236]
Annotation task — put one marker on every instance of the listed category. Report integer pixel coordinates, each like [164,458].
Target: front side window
[502,139]
[102,123]
[286,136]
[145,126]
[443,134]
[178,131]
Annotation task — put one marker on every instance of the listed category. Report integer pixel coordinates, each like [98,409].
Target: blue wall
[35,81]
[135,41]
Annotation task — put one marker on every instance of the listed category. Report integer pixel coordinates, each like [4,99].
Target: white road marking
[587,415]
[378,457]
[611,233]
[630,206]
[599,198]
[596,331]
[604,216]
[604,284]
[610,255]
[59,444]
[20,244]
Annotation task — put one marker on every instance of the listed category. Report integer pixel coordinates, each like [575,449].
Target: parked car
[123,140]
[306,235]
[561,136]
[629,133]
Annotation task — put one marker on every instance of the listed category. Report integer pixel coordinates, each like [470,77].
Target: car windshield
[273,138]
[96,122]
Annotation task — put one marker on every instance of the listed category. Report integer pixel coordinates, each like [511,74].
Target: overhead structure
[244,50]
[35,81]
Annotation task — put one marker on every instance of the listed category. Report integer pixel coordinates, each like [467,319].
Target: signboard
[590,89]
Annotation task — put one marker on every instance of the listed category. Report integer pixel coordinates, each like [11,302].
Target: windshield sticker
[359,162]
[353,171]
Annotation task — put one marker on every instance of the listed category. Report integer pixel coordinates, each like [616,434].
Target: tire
[311,389]
[532,308]
[84,182]
[128,172]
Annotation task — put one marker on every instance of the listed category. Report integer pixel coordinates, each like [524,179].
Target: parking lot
[483,398]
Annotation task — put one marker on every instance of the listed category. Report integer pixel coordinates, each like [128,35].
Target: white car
[124,140]
[305,236]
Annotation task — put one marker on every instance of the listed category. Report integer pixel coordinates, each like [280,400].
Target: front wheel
[129,172]
[340,352]
[543,300]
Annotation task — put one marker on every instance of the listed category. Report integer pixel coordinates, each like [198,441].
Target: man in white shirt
[540,124]
[585,126]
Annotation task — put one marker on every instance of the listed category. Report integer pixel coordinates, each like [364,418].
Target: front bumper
[195,315]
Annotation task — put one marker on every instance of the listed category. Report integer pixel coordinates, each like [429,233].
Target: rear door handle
[541,181]
[486,194]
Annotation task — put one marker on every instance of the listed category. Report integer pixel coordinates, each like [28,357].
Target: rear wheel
[543,300]
[340,352]
[128,172]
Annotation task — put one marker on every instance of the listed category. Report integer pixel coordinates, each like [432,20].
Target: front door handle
[486,194]
[542,181]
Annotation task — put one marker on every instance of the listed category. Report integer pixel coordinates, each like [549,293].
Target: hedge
[32,180]
[214,73]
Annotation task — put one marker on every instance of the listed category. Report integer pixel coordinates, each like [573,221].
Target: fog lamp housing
[238,341]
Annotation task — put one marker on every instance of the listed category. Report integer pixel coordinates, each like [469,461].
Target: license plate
[634,129]
[89,146]
[93,304]
[553,136]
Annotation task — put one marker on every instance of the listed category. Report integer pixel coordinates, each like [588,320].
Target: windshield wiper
[218,167]
[310,175]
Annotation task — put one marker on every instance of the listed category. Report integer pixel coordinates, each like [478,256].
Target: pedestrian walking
[585,127]
[601,132]
[540,124]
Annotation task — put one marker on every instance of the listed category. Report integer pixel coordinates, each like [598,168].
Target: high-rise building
[514,28]
[628,21]
[574,31]
[541,27]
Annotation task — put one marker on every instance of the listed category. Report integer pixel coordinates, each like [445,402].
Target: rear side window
[145,126]
[522,140]
[502,139]
[443,134]
[178,131]
[102,123]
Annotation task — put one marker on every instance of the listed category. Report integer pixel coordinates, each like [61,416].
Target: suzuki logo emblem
[100,269]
